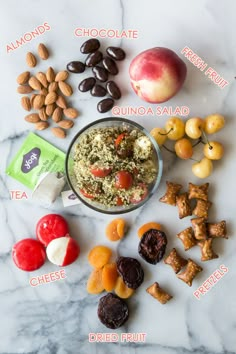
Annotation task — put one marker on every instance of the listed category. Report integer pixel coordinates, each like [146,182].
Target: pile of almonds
[47,96]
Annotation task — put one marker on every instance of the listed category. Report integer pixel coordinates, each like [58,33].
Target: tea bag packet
[38,165]
[49,187]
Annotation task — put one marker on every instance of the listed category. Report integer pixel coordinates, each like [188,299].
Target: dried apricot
[94,284]
[109,276]
[99,256]
[148,226]
[115,230]
[122,290]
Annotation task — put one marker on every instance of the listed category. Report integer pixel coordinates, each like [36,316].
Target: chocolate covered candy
[116,53]
[90,46]
[76,67]
[113,90]
[105,105]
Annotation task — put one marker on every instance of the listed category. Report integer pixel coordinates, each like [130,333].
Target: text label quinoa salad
[114,166]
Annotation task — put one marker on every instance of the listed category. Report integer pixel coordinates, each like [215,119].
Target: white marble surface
[57,318]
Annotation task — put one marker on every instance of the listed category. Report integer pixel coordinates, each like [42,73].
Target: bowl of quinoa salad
[114,165]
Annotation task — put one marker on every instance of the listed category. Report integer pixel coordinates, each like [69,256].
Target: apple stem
[205,136]
[166,132]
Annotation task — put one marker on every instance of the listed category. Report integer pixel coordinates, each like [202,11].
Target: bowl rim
[157,149]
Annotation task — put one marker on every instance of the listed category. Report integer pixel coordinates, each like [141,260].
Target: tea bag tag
[69,198]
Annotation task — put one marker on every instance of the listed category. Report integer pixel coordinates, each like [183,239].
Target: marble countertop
[57,318]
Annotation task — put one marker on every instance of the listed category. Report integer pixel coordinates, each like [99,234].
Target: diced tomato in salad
[100,172]
[119,201]
[119,139]
[86,194]
[123,180]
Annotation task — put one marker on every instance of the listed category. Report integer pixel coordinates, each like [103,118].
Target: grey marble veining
[57,318]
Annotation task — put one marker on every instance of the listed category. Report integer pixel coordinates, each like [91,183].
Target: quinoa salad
[114,166]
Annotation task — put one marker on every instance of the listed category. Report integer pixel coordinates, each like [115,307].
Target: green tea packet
[35,157]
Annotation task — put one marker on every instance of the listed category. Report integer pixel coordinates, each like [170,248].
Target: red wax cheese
[28,254]
[50,227]
[63,251]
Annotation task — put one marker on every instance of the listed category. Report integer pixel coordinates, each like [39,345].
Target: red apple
[157,74]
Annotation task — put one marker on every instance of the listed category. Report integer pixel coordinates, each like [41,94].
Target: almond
[51,98]
[65,88]
[57,115]
[42,114]
[38,101]
[58,132]
[31,60]
[44,91]
[42,79]
[53,86]
[43,51]
[25,102]
[50,109]
[23,78]
[66,124]
[32,118]
[41,125]
[32,99]
[34,83]
[61,76]
[24,89]
[50,74]
[71,113]
[61,102]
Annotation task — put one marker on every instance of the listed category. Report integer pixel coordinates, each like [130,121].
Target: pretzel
[183,205]
[192,269]
[198,192]
[187,237]
[201,208]
[158,293]
[175,261]
[207,251]
[217,230]
[172,189]
[199,227]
